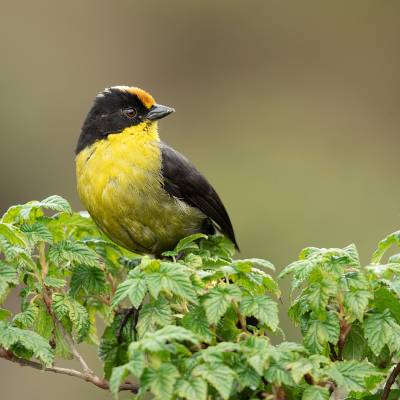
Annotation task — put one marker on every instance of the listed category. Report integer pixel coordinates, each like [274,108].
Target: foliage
[197,324]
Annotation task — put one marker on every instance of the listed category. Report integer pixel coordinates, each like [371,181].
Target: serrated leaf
[355,344]
[219,376]
[155,341]
[316,393]
[299,368]
[261,307]
[385,299]
[320,332]
[88,278]
[161,381]
[152,315]
[172,279]
[66,306]
[136,363]
[118,375]
[8,273]
[381,329]
[37,232]
[187,243]
[193,389]
[356,303]
[13,235]
[351,375]
[11,336]
[133,287]
[55,283]
[43,323]
[218,299]
[247,376]
[196,321]
[62,348]
[278,375]
[26,318]
[256,261]
[384,245]
[68,253]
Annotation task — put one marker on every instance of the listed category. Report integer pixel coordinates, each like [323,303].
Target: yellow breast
[120,183]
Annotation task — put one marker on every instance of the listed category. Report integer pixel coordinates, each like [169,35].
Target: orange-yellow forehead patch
[146,98]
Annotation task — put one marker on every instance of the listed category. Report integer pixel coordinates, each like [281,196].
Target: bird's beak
[158,111]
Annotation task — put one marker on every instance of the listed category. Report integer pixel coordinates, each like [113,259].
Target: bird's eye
[130,112]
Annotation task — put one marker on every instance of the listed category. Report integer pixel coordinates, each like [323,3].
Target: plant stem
[94,379]
[48,301]
[391,379]
[241,318]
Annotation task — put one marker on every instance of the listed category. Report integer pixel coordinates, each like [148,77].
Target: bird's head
[117,108]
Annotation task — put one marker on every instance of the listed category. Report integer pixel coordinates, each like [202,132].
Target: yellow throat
[120,183]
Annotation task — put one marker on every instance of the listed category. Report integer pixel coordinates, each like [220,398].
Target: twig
[94,379]
[344,331]
[67,337]
[390,381]
[47,301]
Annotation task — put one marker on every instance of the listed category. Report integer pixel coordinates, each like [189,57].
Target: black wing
[184,181]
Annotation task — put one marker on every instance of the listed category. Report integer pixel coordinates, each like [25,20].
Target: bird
[143,194]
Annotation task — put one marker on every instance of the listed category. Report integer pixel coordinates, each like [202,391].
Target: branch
[88,377]
[67,337]
[390,381]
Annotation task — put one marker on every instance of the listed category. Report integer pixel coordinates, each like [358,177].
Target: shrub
[196,324]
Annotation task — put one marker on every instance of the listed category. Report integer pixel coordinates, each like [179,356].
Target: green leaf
[8,274]
[66,306]
[136,363]
[316,393]
[355,345]
[261,307]
[4,314]
[171,278]
[351,375]
[90,279]
[68,253]
[155,314]
[43,323]
[258,262]
[26,318]
[55,203]
[247,376]
[161,380]
[381,329]
[356,303]
[320,332]
[196,321]
[217,375]
[13,236]
[11,336]
[384,245]
[187,244]
[217,300]
[37,232]
[385,299]
[118,375]
[155,341]
[62,348]
[278,375]
[134,287]
[55,283]
[193,389]
[25,211]
[318,293]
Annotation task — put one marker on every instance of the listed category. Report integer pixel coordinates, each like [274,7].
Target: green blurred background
[291,109]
